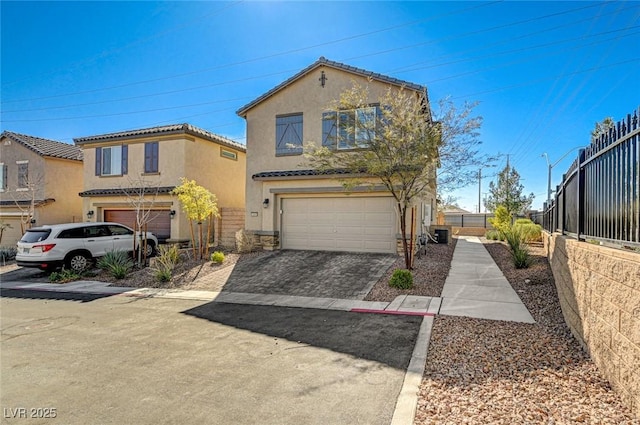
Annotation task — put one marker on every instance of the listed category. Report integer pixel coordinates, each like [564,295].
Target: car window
[96,231]
[76,233]
[37,235]
[119,230]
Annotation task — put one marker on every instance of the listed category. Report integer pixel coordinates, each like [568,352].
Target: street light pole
[550,166]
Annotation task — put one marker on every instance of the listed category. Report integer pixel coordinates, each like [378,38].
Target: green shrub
[501,220]
[63,276]
[217,257]
[492,235]
[163,275]
[531,232]
[117,263]
[401,279]
[8,253]
[515,237]
[165,262]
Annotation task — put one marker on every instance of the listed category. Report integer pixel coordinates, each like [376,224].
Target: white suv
[76,245]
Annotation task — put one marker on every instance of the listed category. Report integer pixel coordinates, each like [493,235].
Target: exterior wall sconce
[265,203]
[172,213]
[90,214]
[32,221]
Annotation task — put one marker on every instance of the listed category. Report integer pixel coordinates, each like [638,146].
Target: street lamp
[550,166]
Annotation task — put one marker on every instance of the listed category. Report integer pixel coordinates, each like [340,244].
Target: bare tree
[141,195]
[25,197]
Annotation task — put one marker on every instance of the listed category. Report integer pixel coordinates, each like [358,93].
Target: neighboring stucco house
[39,183]
[289,205]
[121,165]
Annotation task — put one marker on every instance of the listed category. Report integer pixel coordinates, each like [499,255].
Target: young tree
[199,205]
[397,145]
[4,226]
[25,197]
[141,196]
[459,154]
[507,192]
[602,127]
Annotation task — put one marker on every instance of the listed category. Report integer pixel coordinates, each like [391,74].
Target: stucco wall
[599,291]
[178,156]
[63,183]
[305,96]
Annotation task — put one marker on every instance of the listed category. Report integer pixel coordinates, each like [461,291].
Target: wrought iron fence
[599,197]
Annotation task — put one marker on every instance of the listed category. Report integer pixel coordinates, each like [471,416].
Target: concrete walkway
[477,288]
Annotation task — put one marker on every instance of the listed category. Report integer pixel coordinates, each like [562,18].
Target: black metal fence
[599,197]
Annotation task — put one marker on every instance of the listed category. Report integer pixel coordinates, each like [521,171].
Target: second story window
[350,129]
[23,174]
[151,157]
[289,134]
[3,177]
[112,160]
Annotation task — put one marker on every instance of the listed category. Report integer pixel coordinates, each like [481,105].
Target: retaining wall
[599,291]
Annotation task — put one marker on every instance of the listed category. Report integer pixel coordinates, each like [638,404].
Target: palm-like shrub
[515,237]
[165,262]
[117,263]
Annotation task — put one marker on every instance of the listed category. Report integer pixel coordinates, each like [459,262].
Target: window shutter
[98,161]
[125,159]
[329,130]
[151,157]
[4,176]
[289,134]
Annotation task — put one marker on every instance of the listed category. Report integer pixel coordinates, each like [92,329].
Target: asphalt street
[119,359]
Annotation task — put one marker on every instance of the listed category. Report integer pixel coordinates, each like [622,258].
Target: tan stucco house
[39,183]
[152,161]
[291,206]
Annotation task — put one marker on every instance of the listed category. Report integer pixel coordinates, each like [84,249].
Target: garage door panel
[342,224]
[159,221]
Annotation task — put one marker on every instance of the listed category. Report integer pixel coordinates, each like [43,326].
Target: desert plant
[217,257]
[401,279]
[515,237]
[165,262]
[531,232]
[63,276]
[163,275]
[7,253]
[492,235]
[117,263]
[501,220]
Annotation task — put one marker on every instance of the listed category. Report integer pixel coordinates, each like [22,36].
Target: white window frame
[2,182]
[360,136]
[115,161]
[19,187]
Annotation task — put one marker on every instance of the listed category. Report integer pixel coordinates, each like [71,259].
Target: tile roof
[45,147]
[300,173]
[322,61]
[162,130]
[123,191]
[27,202]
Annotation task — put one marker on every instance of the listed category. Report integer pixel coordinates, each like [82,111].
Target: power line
[261,58]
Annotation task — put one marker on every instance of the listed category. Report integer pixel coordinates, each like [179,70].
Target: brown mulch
[429,272]
[484,371]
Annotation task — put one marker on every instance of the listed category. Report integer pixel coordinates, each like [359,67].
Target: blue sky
[542,72]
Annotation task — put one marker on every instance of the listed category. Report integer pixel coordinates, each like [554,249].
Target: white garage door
[356,224]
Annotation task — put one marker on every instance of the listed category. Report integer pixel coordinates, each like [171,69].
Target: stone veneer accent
[599,291]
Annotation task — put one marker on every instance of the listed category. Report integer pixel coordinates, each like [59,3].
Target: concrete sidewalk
[477,288]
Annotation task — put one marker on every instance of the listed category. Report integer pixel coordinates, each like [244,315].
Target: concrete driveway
[310,274]
[118,359]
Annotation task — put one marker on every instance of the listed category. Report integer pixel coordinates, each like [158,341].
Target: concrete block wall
[231,220]
[599,291]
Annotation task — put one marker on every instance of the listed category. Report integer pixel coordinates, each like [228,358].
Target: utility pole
[479,188]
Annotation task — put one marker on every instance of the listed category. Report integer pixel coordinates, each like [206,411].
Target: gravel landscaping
[483,371]
[429,272]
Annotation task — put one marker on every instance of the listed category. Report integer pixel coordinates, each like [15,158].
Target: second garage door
[159,223]
[356,224]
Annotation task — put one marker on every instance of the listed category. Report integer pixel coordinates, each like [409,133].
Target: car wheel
[150,249]
[78,262]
